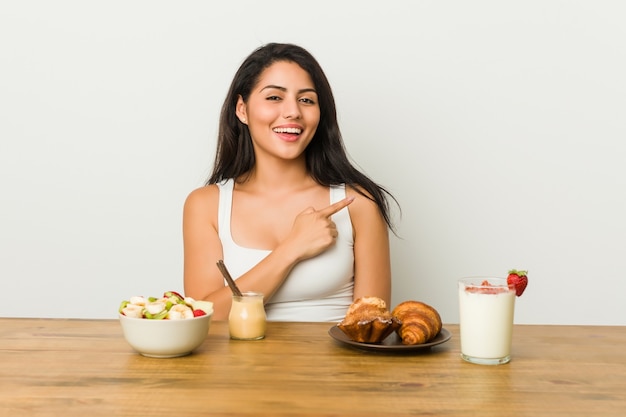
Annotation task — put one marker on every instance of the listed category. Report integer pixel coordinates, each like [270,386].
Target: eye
[273,98]
[307,100]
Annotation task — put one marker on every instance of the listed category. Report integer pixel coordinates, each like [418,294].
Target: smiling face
[282,111]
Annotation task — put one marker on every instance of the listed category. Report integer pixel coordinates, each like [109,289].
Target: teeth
[288,130]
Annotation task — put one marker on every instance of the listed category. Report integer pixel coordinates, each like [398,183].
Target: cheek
[312,116]
[315,121]
[262,114]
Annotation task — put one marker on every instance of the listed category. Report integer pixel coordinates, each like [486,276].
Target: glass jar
[247,319]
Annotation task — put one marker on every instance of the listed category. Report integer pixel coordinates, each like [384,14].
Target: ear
[241,110]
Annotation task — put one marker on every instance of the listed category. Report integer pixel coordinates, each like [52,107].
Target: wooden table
[51,367]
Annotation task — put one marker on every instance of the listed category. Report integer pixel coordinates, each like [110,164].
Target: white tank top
[317,289]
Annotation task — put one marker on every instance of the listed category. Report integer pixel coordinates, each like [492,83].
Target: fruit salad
[171,306]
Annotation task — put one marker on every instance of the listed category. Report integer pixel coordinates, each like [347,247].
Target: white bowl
[165,338]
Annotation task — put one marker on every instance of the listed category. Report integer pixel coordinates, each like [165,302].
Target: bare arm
[372,263]
[202,249]
[312,233]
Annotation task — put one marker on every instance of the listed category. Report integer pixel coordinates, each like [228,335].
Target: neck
[279,176]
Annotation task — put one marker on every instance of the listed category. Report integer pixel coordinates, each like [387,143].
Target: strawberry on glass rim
[518,280]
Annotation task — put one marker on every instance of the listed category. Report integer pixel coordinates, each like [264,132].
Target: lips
[294,130]
[288,133]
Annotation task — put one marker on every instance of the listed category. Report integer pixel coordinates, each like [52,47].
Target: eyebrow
[304,90]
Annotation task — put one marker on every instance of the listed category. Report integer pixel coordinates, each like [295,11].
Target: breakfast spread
[171,306]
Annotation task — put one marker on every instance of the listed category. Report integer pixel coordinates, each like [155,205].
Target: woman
[284,208]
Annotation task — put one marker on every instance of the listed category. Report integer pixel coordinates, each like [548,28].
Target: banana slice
[138,301]
[133,310]
[155,307]
[206,306]
[180,311]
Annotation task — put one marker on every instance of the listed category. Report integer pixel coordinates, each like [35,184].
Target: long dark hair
[326,158]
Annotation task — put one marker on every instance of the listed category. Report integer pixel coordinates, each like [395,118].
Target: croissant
[420,322]
[368,320]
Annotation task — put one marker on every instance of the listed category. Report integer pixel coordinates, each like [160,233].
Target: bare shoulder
[363,208]
[202,200]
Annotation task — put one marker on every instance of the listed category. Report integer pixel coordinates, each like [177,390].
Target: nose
[291,109]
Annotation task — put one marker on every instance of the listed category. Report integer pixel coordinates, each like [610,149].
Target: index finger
[335,207]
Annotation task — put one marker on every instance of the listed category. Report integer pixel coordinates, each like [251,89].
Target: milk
[486,321]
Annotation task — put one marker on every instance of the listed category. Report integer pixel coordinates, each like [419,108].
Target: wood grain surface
[54,367]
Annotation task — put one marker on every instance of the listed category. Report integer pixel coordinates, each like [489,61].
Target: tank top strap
[337,193]
[224,208]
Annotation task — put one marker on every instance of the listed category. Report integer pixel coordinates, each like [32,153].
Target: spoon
[229,279]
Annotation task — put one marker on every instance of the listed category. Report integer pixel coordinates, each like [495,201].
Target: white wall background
[500,127]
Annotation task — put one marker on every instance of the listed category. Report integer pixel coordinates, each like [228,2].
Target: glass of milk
[486,307]
[247,319]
